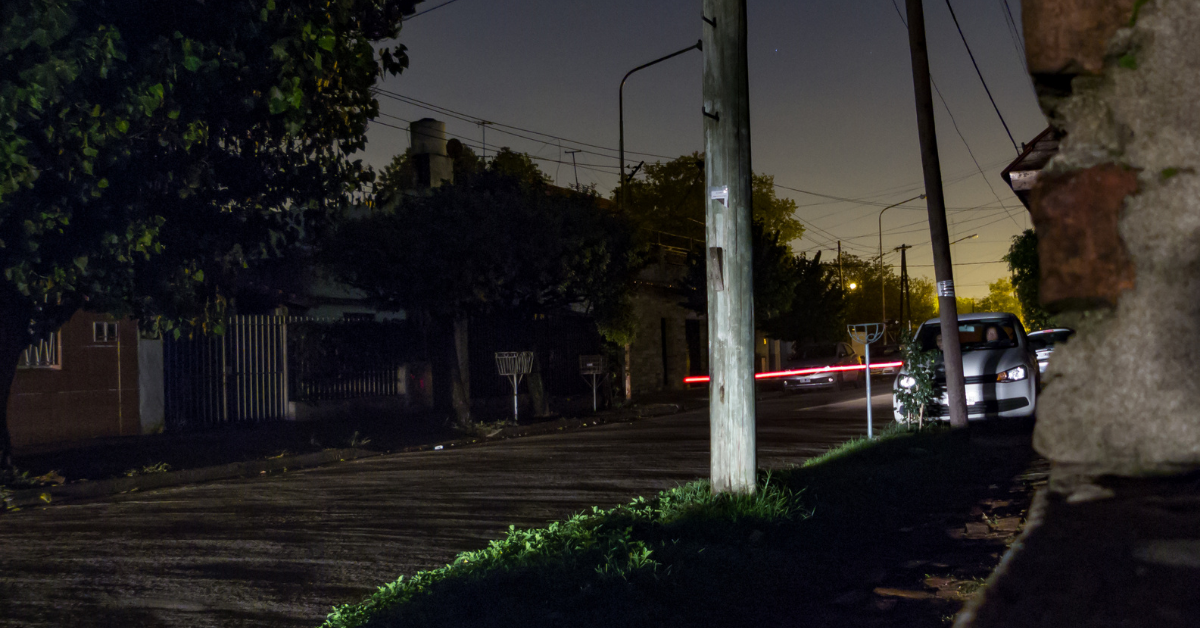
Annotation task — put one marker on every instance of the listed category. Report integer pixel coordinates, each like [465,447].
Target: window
[104,332]
[975,334]
[358,317]
[44,354]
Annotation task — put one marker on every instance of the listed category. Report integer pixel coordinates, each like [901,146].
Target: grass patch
[688,557]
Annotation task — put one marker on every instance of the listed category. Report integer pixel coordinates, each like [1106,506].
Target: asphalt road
[282,550]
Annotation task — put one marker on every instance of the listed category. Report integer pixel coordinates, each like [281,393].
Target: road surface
[280,551]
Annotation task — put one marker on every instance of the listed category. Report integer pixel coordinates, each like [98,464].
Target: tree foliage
[863,302]
[670,198]
[500,239]
[816,312]
[150,151]
[1023,263]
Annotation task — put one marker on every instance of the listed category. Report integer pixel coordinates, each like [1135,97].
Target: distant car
[999,365]
[885,353]
[1043,342]
[820,356]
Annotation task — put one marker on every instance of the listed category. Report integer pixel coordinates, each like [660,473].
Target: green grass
[686,556]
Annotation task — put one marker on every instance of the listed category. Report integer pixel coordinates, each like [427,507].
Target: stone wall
[1117,213]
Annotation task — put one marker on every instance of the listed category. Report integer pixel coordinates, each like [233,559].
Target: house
[1023,172]
[94,377]
[671,342]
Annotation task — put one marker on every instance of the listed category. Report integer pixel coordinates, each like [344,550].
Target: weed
[357,441]
[967,588]
[161,467]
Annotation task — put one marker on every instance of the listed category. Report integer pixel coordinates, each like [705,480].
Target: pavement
[1111,552]
[282,549]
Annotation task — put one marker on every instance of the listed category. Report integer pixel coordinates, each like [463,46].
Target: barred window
[45,353]
[104,332]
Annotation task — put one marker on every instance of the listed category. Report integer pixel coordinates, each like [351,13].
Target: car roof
[977,316]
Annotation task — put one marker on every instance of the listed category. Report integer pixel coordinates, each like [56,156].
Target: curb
[103,488]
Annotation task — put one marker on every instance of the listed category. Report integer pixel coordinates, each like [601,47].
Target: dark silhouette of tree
[150,151]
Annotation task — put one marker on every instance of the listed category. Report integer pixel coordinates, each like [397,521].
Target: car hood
[988,361]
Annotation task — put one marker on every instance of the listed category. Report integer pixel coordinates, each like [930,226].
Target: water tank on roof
[428,137]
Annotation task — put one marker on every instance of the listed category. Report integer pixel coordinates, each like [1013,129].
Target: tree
[670,198]
[1002,298]
[499,240]
[916,390]
[151,151]
[776,276]
[817,310]
[1023,263]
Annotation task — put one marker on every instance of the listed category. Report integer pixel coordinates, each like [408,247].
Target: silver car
[999,365]
[1043,342]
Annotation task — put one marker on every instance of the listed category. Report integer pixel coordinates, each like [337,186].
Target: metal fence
[350,359]
[238,377]
[261,363]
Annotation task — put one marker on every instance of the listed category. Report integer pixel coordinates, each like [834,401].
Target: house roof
[1022,173]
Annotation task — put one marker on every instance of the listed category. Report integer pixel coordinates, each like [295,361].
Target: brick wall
[94,392]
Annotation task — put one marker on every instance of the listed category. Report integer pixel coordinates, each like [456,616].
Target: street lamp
[882,281]
[699,45]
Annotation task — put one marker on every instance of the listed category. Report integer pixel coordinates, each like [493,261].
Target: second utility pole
[733,446]
[936,202]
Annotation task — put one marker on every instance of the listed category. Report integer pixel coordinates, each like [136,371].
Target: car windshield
[1052,338]
[815,352]
[973,335]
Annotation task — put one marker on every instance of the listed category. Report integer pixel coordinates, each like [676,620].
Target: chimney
[430,161]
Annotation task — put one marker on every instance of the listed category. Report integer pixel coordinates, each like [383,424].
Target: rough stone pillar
[1117,213]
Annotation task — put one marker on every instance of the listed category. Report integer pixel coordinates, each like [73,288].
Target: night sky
[831,105]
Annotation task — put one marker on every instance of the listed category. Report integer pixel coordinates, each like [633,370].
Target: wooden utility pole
[905,298]
[730,282]
[841,278]
[936,202]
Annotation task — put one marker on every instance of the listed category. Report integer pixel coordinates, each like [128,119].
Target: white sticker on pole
[720,195]
[945,288]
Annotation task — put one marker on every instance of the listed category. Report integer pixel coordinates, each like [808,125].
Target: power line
[954,122]
[981,79]
[1014,33]
[596,167]
[999,261]
[475,119]
[419,14]
[971,152]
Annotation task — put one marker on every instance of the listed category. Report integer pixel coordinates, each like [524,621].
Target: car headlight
[1015,374]
[908,381]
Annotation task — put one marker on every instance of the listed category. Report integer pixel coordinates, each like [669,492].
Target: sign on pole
[867,333]
[514,365]
[594,366]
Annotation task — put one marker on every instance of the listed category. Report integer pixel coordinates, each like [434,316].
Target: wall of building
[93,392]
[658,311]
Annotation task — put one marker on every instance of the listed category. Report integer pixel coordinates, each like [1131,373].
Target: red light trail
[699,379]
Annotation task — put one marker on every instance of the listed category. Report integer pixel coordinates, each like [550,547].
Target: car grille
[992,406]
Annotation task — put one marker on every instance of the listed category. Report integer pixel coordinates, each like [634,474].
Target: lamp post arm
[699,45]
[882,281]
